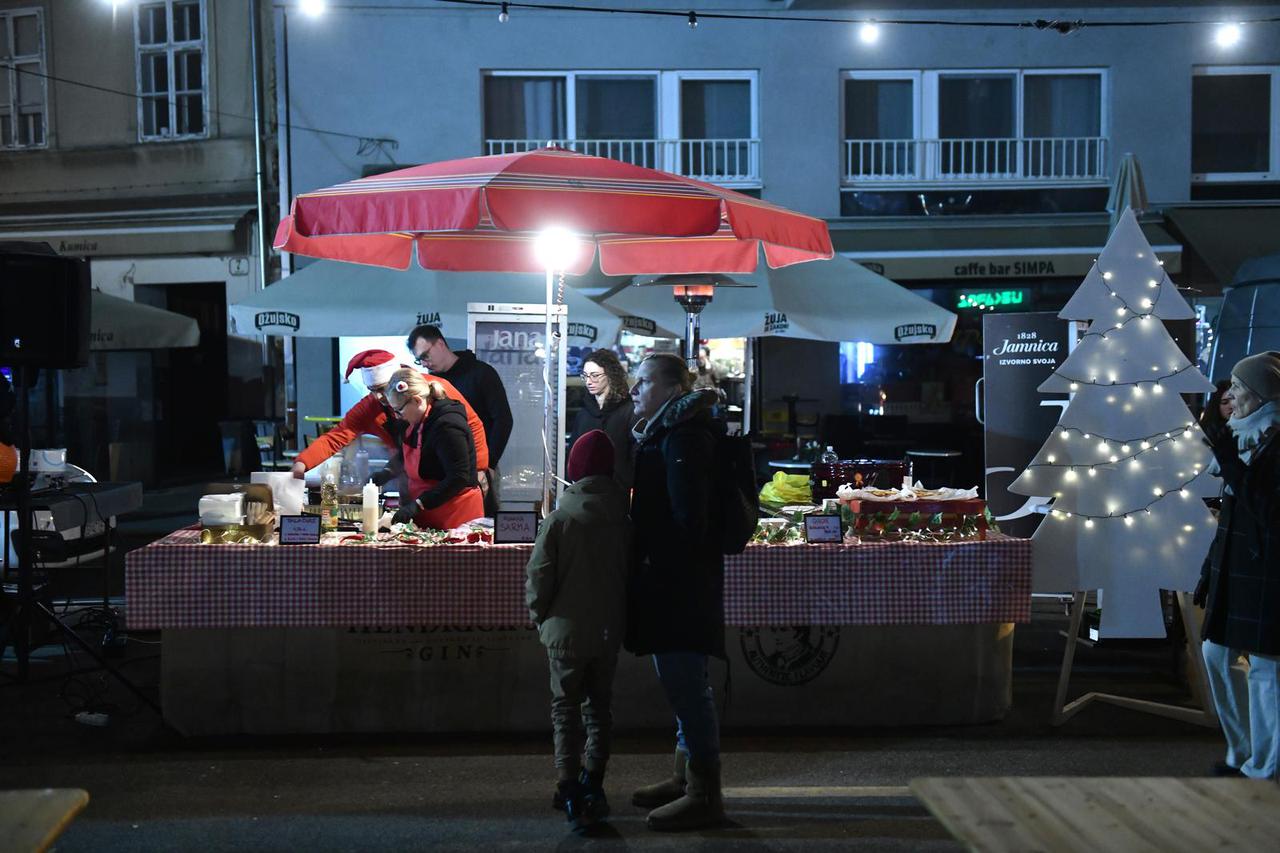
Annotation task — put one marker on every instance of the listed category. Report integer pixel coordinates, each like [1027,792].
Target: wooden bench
[32,819]
[1103,814]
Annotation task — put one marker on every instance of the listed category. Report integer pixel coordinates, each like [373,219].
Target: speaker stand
[28,604]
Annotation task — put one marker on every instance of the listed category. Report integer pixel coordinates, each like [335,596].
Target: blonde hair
[672,369]
[407,382]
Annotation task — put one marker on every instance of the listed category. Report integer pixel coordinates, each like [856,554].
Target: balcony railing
[888,163]
[728,162]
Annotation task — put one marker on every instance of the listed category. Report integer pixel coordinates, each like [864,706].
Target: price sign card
[821,529]
[299,530]
[512,528]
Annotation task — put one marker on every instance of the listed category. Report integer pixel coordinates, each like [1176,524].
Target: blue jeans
[1248,707]
[683,676]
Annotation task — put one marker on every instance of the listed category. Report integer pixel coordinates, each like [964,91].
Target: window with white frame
[698,123]
[172,81]
[1235,112]
[23,93]
[943,126]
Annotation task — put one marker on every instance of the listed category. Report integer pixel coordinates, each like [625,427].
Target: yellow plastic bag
[785,489]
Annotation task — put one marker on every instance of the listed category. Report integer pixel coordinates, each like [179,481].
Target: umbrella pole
[550,421]
[749,370]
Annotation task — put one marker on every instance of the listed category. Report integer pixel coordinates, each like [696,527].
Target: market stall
[350,636]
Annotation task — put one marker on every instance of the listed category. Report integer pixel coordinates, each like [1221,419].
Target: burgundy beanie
[590,455]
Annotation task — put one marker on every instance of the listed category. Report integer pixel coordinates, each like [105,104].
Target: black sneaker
[596,804]
[1222,768]
[576,811]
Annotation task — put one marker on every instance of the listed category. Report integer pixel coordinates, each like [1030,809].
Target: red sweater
[369,417]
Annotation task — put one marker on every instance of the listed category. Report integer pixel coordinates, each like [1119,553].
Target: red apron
[459,509]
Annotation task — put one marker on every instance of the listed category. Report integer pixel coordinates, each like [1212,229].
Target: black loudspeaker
[44,307]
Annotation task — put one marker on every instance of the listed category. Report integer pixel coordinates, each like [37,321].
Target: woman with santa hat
[438,452]
[372,416]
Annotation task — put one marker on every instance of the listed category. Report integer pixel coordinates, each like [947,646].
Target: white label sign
[822,529]
[515,527]
[299,530]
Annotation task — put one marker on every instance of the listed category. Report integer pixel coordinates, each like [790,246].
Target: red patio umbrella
[484,214]
[487,214]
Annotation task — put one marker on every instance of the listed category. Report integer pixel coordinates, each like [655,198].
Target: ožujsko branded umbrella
[498,213]
[836,300]
[330,299]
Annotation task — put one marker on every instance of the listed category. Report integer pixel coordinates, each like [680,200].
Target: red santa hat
[375,366]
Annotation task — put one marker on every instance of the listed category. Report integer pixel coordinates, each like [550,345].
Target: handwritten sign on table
[299,530]
[515,527]
[822,528]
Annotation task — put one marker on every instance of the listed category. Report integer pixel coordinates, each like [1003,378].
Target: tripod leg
[91,652]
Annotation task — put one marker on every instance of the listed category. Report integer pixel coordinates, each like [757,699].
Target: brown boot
[702,805]
[666,791]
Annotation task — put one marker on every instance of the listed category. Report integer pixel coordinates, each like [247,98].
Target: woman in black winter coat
[1240,582]
[608,407]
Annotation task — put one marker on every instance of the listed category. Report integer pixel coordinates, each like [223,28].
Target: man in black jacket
[676,603]
[480,384]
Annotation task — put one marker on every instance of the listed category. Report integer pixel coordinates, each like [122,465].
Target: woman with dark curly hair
[608,408]
[1216,413]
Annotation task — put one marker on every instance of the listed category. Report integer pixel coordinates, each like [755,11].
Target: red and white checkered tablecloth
[881,583]
[177,582]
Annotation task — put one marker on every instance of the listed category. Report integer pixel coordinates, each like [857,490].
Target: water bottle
[362,465]
[829,455]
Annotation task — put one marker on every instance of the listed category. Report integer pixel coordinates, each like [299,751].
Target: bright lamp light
[312,8]
[555,248]
[869,32]
[1228,35]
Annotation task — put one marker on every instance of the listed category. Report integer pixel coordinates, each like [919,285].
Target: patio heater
[693,293]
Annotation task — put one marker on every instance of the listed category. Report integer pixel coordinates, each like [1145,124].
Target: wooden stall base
[1206,716]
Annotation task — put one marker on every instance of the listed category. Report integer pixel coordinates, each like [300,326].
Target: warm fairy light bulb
[1147,303]
[1075,386]
[1186,434]
[1137,390]
[1092,473]
[1111,398]
[1088,522]
[1184,493]
[1124,448]
[1070,475]
[1103,447]
[1145,445]
[1135,464]
[1128,521]
[1051,458]
[1120,312]
[1188,528]
[1107,276]
[1115,458]
[1157,492]
[1156,389]
[1065,435]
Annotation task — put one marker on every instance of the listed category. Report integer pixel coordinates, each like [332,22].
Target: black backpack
[735,492]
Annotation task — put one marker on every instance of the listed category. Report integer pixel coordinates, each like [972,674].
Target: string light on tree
[869,33]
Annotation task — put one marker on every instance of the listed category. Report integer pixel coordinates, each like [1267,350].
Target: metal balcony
[726,162]
[1004,163]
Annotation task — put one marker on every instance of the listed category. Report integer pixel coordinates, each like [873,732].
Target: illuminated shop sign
[989,300]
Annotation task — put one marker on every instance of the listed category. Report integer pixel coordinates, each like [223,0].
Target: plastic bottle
[329,500]
[830,455]
[362,465]
[369,508]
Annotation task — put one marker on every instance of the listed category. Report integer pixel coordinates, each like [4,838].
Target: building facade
[970,159]
[127,137]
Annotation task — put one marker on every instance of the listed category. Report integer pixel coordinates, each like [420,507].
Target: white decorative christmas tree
[1125,466]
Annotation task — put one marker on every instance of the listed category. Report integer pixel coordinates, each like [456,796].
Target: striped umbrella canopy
[485,214]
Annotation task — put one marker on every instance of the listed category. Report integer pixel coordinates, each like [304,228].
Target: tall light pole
[255,46]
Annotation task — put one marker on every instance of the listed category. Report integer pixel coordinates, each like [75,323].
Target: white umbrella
[835,300]
[120,324]
[1127,190]
[329,299]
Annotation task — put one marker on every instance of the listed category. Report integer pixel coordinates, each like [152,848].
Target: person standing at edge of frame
[483,388]
[1240,583]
